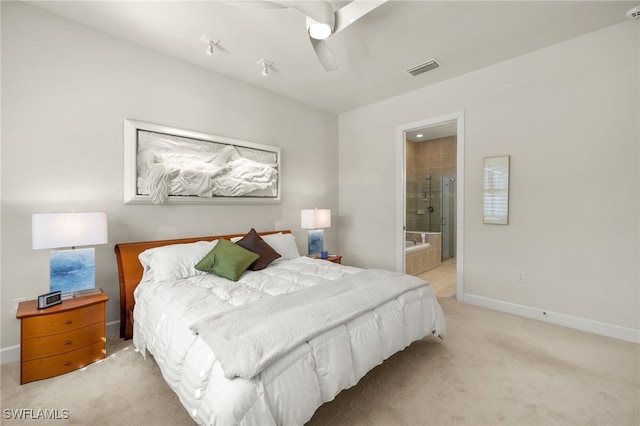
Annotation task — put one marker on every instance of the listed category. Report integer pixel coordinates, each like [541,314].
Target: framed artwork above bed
[164,165]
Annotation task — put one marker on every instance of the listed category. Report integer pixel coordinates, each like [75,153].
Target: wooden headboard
[130,271]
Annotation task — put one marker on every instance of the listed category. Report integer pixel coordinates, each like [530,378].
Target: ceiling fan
[322,20]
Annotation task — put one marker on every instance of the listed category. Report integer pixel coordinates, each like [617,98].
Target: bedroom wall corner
[62,145]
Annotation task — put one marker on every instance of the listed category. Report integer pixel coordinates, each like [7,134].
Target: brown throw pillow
[253,242]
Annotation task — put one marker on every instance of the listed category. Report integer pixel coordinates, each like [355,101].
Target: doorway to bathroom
[432,213]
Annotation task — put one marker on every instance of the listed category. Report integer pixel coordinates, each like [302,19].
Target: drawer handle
[67,363]
[68,342]
[68,322]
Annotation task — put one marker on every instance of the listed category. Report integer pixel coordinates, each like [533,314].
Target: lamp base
[72,270]
[316,241]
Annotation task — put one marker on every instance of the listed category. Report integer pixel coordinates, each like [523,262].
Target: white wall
[568,116]
[66,90]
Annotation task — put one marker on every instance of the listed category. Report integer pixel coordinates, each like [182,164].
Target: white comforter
[288,391]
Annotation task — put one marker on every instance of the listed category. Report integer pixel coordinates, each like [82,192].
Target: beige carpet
[492,369]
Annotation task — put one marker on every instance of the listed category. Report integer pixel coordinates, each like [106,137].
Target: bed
[270,342]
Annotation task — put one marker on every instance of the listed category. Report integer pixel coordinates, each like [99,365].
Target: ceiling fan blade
[353,11]
[324,54]
[319,11]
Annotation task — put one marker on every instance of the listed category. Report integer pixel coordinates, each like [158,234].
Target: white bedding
[289,390]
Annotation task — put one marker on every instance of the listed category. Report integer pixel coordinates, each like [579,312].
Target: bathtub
[411,246]
[414,240]
[420,252]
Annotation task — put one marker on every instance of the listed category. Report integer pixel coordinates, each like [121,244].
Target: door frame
[401,206]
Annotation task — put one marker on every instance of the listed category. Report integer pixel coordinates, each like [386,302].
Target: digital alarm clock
[49,299]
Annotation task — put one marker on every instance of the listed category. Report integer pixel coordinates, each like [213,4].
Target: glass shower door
[431,207]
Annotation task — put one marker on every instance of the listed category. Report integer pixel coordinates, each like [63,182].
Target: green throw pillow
[227,260]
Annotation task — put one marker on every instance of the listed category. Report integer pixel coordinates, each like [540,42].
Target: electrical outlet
[521,277]
[16,302]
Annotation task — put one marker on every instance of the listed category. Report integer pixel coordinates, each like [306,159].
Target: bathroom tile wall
[434,157]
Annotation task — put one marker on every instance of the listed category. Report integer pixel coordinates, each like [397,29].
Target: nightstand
[332,258]
[61,338]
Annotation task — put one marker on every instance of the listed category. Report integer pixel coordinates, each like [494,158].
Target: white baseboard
[12,353]
[113,327]
[583,324]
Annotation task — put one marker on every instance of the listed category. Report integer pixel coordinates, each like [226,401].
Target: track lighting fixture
[265,66]
[211,44]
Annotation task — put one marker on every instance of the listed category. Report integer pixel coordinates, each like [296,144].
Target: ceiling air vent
[634,13]
[427,66]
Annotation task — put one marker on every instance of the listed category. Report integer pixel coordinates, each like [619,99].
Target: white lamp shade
[315,218]
[55,230]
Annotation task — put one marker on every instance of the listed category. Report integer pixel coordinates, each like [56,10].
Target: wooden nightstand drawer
[55,344]
[61,322]
[61,338]
[44,368]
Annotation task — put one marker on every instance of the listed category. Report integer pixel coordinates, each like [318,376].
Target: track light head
[266,65]
[211,47]
[211,44]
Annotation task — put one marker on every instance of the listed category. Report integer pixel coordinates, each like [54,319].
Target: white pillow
[174,261]
[285,244]
[145,260]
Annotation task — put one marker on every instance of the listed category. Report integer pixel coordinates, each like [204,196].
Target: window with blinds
[496,190]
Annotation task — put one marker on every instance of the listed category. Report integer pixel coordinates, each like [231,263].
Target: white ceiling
[372,54]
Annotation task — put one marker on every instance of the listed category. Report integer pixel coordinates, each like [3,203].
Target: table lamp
[315,220]
[75,269]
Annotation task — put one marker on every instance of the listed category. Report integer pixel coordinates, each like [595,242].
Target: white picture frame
[197,158]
